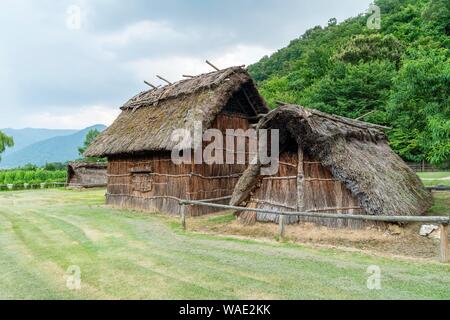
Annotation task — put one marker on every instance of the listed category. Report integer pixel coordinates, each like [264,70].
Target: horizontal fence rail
[443,221]
[431,219]
[25,186]
[47,185]
[417,167]
[438,188]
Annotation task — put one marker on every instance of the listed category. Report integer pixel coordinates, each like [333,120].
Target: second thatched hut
[82,174]
[330,164]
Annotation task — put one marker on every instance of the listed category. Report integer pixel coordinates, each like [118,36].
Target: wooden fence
[27,186]
[46,185]
[426,167]
[441,220]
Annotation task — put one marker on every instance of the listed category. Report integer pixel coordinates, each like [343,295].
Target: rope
[187,175]
[164,197]
[211,191]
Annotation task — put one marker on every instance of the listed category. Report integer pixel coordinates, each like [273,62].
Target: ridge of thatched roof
[180,88]
[148,119]
[357,153]
[86,164]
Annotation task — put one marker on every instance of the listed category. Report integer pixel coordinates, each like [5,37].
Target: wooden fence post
[442,221]
[444,242]
[183,217]
[282,229]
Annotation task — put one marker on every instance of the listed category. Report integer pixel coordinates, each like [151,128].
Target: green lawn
[431,179]
[433,175]
[129,255]
[441,204]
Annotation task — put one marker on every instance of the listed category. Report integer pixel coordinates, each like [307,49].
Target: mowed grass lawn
[130,255]
[431,179]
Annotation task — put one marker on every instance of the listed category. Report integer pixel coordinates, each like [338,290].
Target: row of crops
[31,179]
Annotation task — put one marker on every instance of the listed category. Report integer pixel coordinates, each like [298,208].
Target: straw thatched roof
[75,165]
[148,120]
[357,153]
[86,174]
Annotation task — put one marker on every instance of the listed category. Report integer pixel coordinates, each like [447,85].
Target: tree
[352,90]
[362,48]
[90,137]
[277,89]
[55,166]
[5,141]
[29,167]
[419,108]
[437,15]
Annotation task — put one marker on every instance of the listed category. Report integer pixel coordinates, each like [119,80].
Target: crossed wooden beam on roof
[184,75]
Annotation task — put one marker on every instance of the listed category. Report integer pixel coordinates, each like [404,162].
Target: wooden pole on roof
[150,85]
[217,69]
[349,121]
[281,103]
[365,115]
[165,80]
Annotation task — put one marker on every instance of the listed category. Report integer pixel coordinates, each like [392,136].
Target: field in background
[431,179]
[18,177]
[130,255]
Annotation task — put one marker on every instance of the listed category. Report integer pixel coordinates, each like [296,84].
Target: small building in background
[330,164]
[86,174]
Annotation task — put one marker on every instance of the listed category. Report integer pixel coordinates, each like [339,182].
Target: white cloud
[47,69]
[145,30]
[172,68]
[72,118]
[241,54]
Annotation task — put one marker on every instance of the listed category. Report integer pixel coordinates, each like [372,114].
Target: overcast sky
[58,71]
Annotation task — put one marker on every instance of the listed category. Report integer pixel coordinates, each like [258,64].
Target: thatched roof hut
[86,174]
[138,144]
[331,164]
[148,120]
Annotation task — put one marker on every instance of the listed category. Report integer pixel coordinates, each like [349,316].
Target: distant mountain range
[28,136]
[40,146]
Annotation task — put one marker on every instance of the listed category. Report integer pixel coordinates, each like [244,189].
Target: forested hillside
[401,72]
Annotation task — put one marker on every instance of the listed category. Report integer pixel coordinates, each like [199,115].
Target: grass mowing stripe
[125,254]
